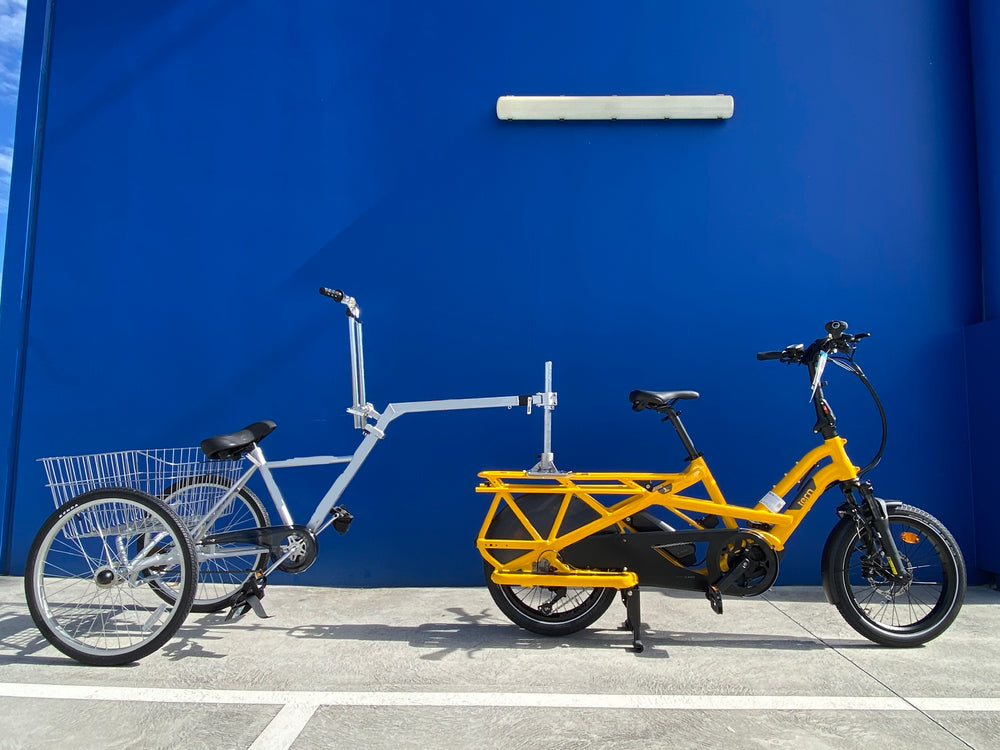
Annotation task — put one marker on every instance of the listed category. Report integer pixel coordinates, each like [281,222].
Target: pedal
[249,599]
[714,592]
[715,599]
[341,519]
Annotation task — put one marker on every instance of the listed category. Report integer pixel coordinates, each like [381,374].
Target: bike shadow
[21,643]
[467,634]
[470,633]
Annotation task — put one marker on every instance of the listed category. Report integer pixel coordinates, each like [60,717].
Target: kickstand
[633,620]
[249,599]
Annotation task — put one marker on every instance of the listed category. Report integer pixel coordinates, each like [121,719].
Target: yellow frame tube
[587,486]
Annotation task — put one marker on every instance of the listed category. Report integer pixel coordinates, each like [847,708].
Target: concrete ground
[442,668]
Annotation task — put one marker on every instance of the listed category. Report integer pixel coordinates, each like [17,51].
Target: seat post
[682,433]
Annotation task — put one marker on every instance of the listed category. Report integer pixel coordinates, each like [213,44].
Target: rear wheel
[550,610]
[892,613]
[89,574]
[223,568]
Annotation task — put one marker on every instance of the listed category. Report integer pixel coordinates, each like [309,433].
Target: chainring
[762,571]
[304,549]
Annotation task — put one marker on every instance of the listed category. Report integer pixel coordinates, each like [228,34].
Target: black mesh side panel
[541,511]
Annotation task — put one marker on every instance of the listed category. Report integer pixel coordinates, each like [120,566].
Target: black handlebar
[336,294]
[837,340]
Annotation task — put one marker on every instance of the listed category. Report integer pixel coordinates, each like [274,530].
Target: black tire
[88,587]
[220,579]
[887,613]
[575,610]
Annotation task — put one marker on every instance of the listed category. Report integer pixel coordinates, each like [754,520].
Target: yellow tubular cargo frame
[540,565]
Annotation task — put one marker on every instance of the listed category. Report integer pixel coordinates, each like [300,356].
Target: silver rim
[92,581]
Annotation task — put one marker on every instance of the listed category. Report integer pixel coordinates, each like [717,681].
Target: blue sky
[11,39]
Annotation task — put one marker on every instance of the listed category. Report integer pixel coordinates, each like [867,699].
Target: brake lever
[792,354]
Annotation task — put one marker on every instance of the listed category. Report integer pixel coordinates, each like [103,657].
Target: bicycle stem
[357,372]
[363,412]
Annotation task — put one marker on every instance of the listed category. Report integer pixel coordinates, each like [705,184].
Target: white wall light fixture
[718,107]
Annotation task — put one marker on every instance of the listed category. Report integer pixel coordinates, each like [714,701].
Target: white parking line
[298,707]
[498,700]
[284,728]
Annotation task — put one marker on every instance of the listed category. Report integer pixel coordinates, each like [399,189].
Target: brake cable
[851,366]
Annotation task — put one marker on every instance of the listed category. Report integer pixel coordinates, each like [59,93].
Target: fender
[846,520]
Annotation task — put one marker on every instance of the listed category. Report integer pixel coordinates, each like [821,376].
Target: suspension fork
[872,515]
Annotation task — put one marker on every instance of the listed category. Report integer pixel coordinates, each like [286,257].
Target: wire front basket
[184,478]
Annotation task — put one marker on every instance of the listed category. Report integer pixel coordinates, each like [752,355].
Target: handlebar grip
[768,355]
[336,294]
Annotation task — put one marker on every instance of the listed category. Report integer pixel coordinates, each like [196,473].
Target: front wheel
[550,610]
[888,612]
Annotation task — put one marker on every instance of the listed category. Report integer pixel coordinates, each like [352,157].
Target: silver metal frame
[374,425]
[156,470]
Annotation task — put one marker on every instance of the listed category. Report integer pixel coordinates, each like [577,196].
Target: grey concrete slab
[977,729]
[624,730]
[443,668]
[964,660]
[34,723]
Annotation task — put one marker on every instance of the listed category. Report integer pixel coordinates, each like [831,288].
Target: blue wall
[209,164]
[984,418]
[984,22]
[983,341]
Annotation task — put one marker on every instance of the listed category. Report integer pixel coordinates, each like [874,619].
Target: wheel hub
[106,578]
[887,585]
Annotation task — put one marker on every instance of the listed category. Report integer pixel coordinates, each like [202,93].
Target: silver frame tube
[357,372]
[376,432]
[363,412]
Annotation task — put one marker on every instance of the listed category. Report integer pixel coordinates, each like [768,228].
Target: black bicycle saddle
[235,444]
[657,399]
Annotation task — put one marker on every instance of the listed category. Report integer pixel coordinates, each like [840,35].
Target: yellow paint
[616,496]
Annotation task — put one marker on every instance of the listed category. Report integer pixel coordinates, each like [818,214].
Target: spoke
[67,549]
[533,597]
[893,605]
